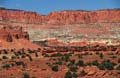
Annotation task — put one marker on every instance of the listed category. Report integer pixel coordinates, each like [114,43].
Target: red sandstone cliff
[62,17]
[15,37]
[9,33]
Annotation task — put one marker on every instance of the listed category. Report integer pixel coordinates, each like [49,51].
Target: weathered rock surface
[9,33]
[66,26]
[62,17]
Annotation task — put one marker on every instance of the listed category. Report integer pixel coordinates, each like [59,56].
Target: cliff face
[9,34]
[64,25]
[71,17]
[63,17]
[19,16]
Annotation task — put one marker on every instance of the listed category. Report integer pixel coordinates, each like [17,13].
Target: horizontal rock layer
[66,26]
[62,17]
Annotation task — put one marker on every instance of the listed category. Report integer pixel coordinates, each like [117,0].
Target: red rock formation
[63,17]
[10,34]
[55,42]
[15,37]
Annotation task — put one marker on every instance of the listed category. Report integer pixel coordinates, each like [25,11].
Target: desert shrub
[19,63]
[9,38]
[59,63]
[62,58]
[68,75]
[88,64]
[36,55]
[16,54]
[30,58]
[26,75]
[118,67]
[113,57]
[73,68]
[45,55]
[80,56]
[4,51]
[23,56]
[19,52]
[80,63]
[12,64]
[83,73]
[16,36]
[4,57]
[56,55]
[101,67]
[86,53]
[72,62]
[75,75]
[13,57]
[67,57]
[107,64]
[119,60]
[55,68]
[6,66]
[101,55]
[95,62]
[30,51]
[34,77]
[97,53]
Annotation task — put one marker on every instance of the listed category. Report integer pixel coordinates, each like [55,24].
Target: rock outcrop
[62,17]
[9,33]
[66,26]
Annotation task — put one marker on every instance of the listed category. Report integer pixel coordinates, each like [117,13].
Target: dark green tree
[55,68]
[68,75]
[83,73]
[80,63]
[26,75]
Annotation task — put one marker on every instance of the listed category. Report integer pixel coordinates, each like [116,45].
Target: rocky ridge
[66,26]
[61,17]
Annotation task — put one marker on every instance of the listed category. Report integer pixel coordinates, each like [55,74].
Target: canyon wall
[67,26]
[10,33]
[62,17]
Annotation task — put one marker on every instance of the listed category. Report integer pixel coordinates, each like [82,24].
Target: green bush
[56,55]
[88,64]
[118,68]
[106,64]
[101,67]
[101,55]
[30,58]
[59,63]
[95,63]
[75,75]
[83,73]
[26,75]
[67,57]
[6,66]
[72,62]
[80,56]
[113,57]
[80,63]
[55,68]
[97,53]
[4,57]
[73,68]
[119,60]
[68,75]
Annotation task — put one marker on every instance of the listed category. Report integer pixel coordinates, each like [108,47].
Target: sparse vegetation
[80,63]
[69,61]
[101,55]
[118,67]
[26,75]
[55,68]
[83,73]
